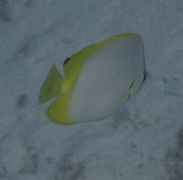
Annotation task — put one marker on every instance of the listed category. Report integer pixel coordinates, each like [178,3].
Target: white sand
[142,141]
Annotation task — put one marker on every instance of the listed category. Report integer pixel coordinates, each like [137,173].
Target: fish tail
[52,85]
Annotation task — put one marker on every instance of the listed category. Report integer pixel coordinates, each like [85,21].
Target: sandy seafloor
[142,141]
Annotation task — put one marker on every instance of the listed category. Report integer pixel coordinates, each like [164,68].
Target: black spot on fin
[66,61]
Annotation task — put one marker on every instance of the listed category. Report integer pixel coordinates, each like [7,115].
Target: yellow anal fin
[52,85]
[58,111]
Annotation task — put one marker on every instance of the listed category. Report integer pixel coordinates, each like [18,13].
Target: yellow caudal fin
[52,85]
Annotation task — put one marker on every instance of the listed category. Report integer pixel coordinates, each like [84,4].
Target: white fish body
[98,79]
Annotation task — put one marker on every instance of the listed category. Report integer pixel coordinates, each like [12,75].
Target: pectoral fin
[127,94]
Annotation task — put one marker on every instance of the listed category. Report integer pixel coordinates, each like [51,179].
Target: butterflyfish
[97,80]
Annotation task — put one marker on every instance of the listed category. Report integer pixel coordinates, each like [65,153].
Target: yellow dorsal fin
[52,85]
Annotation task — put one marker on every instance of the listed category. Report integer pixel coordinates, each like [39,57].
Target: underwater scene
[91,90]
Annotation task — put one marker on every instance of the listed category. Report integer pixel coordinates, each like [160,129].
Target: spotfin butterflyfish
[97,80]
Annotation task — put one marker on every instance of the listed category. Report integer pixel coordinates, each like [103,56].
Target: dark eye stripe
[145,75]
[66,61]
